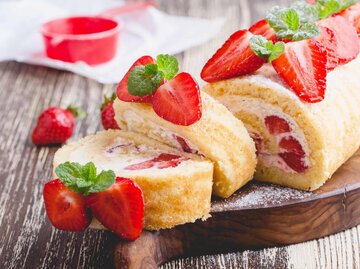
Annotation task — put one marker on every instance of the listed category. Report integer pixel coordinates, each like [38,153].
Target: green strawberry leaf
[76,111]
[265,48]
[83,179]
[168,65]
[144,80]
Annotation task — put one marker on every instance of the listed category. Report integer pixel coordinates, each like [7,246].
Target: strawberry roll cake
[218,136]
[302,108]
[176,185]
[177,114]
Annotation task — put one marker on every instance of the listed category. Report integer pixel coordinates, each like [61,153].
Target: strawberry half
[178,100]
[65,208]
[302,66]
[122,91]
[120,208]
[234,58]
[263,28]
[339,39]
[352,14]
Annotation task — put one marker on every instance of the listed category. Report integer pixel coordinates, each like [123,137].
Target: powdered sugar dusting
[256,195]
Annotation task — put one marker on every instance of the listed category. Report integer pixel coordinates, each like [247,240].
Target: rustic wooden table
[27,240]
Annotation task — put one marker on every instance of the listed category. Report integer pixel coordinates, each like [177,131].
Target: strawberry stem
[107,100]
[76,111]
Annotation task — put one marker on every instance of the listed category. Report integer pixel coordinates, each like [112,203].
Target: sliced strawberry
[164,160]
[343,43]
[178,100]
[303,68]
[65,208]
[328,42]
[277,125]
[263,28]
[122,91]
[352,14]
[185,147]
[233,59]
[140,166]
[293,154]
[120,208]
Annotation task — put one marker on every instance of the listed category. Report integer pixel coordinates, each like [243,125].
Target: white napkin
[147,32]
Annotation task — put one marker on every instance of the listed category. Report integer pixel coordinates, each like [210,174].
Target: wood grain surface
[27,240]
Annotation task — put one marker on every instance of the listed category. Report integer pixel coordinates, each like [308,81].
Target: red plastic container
[90,39]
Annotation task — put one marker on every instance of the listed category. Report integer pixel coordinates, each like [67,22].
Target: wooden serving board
[257,216]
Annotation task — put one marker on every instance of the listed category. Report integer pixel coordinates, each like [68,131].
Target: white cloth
[146,32]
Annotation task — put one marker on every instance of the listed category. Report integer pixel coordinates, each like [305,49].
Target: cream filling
[260,108]
[117,155]
[156,131]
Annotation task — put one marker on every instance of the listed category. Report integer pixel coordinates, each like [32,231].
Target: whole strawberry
[55,125]
[108,113]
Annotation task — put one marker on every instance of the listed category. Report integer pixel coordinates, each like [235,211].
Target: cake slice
[299,144]
[217,135]
[176,185]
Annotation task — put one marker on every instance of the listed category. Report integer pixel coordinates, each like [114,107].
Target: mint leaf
[265,48]
[88,171]
[168,65]
[307,31]
[327,8]
[69,173]
[277,49]
[83,179]
[144,80]
[290,23]
[103,181]
[305,11]
[291,18]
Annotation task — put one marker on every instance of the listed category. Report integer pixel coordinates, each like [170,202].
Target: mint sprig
[144,80]
[289,24]
[83,178]
[327,8]
[265,48]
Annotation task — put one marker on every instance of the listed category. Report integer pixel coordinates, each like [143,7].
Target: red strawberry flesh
[302,66]
[178,100]
[343,43]
[122,91]
[65,208]
[277,125]
[293,154]
[263,28]
[234,58]
[352,14]
[185,147]
[164,160]
[120,208]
